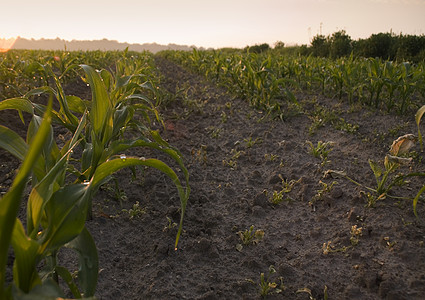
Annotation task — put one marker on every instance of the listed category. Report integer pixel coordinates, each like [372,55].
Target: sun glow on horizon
[215,24]
[7,44]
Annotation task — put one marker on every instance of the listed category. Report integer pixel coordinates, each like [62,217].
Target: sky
[216,24]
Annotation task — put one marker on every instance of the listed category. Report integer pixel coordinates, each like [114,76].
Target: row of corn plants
[63,183]
[269,78]
[21,70]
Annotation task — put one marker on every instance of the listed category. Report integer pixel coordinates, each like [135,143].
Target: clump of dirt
[320,236]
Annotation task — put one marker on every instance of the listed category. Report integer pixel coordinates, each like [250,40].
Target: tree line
[387,46]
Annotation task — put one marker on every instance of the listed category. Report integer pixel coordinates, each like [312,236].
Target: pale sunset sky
[218,23]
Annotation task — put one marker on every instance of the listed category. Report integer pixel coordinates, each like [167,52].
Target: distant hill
[105,45]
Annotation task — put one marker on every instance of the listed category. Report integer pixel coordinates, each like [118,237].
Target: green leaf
[11,201]
[415,201]
[107,79]
[76,104]
[26,250]
[88,261]
[66,213]
[101,107]
[67,277]
[377,171]
[13,143]
[42,193]
[71,120]
[21,104]
[418,117]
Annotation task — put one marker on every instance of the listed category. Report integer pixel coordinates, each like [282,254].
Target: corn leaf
[66,213]
[415,201]
[76,104]
[11,201]
[21,104]
[12,143]
[26,258]
[418,118]
[88,261]
[42,192]
[101,107]
[67,277]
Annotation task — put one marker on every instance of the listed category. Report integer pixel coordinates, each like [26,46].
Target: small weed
[170,224]
[232,162]
[321,150]
[397,129]
[277,197]
[326,188]
[200,154]
[135,211]
[268,286]
[343,125]
[249,237]
[288,185]
[322,116]
[223,117]
[328,248]
[118,193]
[310,295]
[214,131]
[388,242]
[270,157]
[356,233]
[249,142]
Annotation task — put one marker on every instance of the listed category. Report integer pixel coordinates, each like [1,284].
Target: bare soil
[237,157]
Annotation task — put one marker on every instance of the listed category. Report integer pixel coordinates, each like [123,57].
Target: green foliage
[57,208]
[269,81]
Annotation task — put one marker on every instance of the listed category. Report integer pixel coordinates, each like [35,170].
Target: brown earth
[232,182]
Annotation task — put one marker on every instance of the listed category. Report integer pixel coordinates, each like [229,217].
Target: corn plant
[111,113]
[55,216]
[56,208]
[418,118]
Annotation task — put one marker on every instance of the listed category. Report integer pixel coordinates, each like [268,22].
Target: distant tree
[279,45]
[381,45]
[410,47]
[257,48]
[320,46]
[340,44]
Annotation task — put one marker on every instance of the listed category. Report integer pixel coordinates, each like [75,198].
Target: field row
[268,80]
